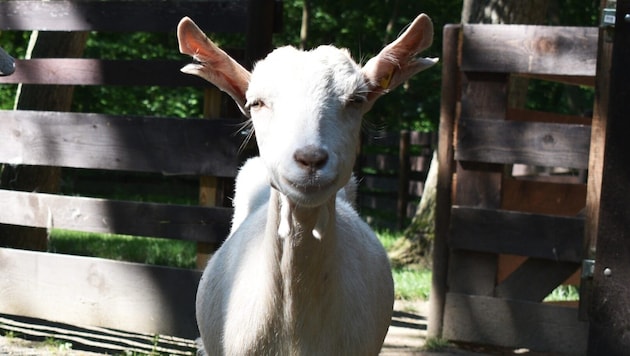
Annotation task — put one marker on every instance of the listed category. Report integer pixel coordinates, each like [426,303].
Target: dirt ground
[406,337]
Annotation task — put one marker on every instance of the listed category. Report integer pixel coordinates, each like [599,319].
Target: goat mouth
[307,191]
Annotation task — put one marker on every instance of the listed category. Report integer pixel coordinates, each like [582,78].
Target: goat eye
[254,104]
[356,99]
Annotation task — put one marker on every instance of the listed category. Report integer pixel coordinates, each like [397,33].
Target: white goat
[300,273]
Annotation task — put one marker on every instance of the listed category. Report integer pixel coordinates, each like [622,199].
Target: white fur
[301,273]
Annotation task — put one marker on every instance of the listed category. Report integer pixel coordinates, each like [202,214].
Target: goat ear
[397,62]
[211,63]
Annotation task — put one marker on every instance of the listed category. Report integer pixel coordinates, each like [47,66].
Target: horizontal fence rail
[139,144]
[121,15]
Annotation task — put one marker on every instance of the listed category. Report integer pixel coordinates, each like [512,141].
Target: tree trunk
[505,11]
[306,20]
[389,29]
[39,97]
[415,248]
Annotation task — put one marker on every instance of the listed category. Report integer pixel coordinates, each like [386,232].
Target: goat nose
[311,157]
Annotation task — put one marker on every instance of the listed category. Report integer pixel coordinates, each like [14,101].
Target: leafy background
[360,26]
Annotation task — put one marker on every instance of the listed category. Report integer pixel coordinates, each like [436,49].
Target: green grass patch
[410,282]
[154,251]
[388,238]
[563,293]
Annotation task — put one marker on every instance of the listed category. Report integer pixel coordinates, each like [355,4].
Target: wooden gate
[504,242]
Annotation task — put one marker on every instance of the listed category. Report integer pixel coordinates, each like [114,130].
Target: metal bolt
[607,272]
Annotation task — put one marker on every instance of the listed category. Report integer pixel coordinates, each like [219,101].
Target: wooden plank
[208,224]
[121,15]
[514,324]
[141,144]
[609,314]
[534,279]
[533,143]
[543,197]
[209,186]
[97,292]
[586,80]
[478,184]
[543,116]
[484,95]
[391,139]
[84,71]
[570,51]
[500,231]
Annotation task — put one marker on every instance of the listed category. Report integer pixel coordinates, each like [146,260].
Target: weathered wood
[484,95]
[489,137]
[84,71]
[587,80]
[514,324]
[501,231]
[534,279]
[121,15]
[609,314]
[544,116]
[141,144]
[43,178]
[92,291]
[443,194]
[478,184]
[532,143]
[208,185]
[208,224]
[389,139]
[404,172]
[543,197]
[596,160]
[570,51]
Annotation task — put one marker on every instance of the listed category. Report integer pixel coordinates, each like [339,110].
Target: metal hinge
[586,288]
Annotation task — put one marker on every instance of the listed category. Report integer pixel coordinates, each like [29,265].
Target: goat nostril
[311,157]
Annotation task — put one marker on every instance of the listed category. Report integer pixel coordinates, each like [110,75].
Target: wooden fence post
[403,178]
[608,313]
[208,186]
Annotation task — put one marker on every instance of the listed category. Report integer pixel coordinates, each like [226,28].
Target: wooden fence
[391,169]
[92,291]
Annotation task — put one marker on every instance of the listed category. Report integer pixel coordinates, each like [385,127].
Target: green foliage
[357,25]
[15,44]
[154,100]
[361,27]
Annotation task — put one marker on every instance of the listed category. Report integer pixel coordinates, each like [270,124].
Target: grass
[410,282]
[147,250]
[564,293]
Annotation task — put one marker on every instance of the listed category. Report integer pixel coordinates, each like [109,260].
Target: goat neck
[305,252]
